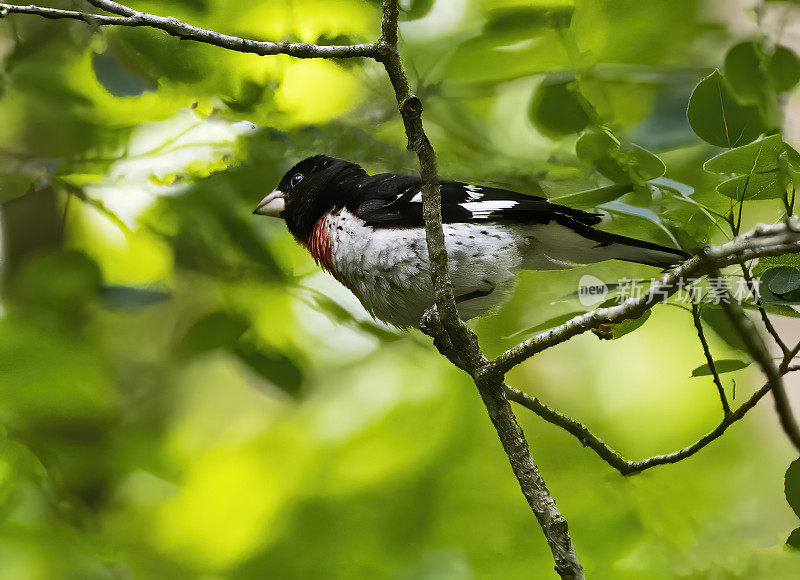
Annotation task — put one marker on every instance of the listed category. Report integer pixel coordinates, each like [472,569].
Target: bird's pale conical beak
[272,205]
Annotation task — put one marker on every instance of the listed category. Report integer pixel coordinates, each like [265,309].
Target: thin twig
[762,311]
[184,31]
[698,324]
[628,467]
[613,457]
[758,350]
[764,240]
[793,352]
[553,524]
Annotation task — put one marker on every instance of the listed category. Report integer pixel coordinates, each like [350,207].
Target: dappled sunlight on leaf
[135,257]
[307,92]
[308,19]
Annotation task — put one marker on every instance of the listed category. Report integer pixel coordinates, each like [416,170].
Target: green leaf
[628,326]
[784,280]
[275,367]
[757,157]
[219,329]
[341,315]
[783,70]
[793,540]
[622,164]
[717,117]
[547,324]
[756,74]
[643,224]
[380,332]
[789,163]
[13,185]
[58,280]
[743,71]
[558,108]
[718,321]
[116,79]
[782,276]
[643,163]
[768,262]
[770,185]
[593,197]
[792,486]
[777,309]
[540,54]
[527,18]
[722,366]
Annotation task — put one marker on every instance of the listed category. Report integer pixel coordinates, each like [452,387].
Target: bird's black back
[395,201]
[387,200]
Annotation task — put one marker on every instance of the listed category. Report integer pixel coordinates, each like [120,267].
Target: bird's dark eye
[296,178]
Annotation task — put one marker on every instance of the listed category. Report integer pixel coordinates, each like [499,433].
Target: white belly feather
[387,269]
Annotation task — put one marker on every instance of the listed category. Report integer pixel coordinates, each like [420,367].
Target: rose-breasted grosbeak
[368,231]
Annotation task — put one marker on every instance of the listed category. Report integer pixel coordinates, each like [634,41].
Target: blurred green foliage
[183,395]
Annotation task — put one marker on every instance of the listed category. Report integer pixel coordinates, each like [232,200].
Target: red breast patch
[319,244]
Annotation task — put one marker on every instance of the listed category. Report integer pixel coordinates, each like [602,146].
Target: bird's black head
[310,189]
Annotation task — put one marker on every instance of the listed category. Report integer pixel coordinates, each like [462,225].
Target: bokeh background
[184,395]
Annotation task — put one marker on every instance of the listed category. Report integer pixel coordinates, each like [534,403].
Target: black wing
[395,201]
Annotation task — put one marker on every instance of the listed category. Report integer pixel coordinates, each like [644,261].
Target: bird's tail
[616,247]
[563,246]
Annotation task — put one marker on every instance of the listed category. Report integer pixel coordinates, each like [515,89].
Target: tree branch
[758,350]
[553,524]
[627,467]
[613,457]
[450,334]
[765,240]
[184,31]
[762,311]
[712,367]
[113,7]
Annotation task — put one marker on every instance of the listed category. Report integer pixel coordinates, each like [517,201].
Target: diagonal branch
[184,31]
[553,524]
[712,367]
[613,457]
[625,466]
[758,350]
[765,240]
[762,311]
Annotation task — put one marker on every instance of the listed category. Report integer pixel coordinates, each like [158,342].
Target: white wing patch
[484,209]
[473,192]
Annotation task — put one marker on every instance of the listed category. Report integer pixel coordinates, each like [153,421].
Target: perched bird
[368,231]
